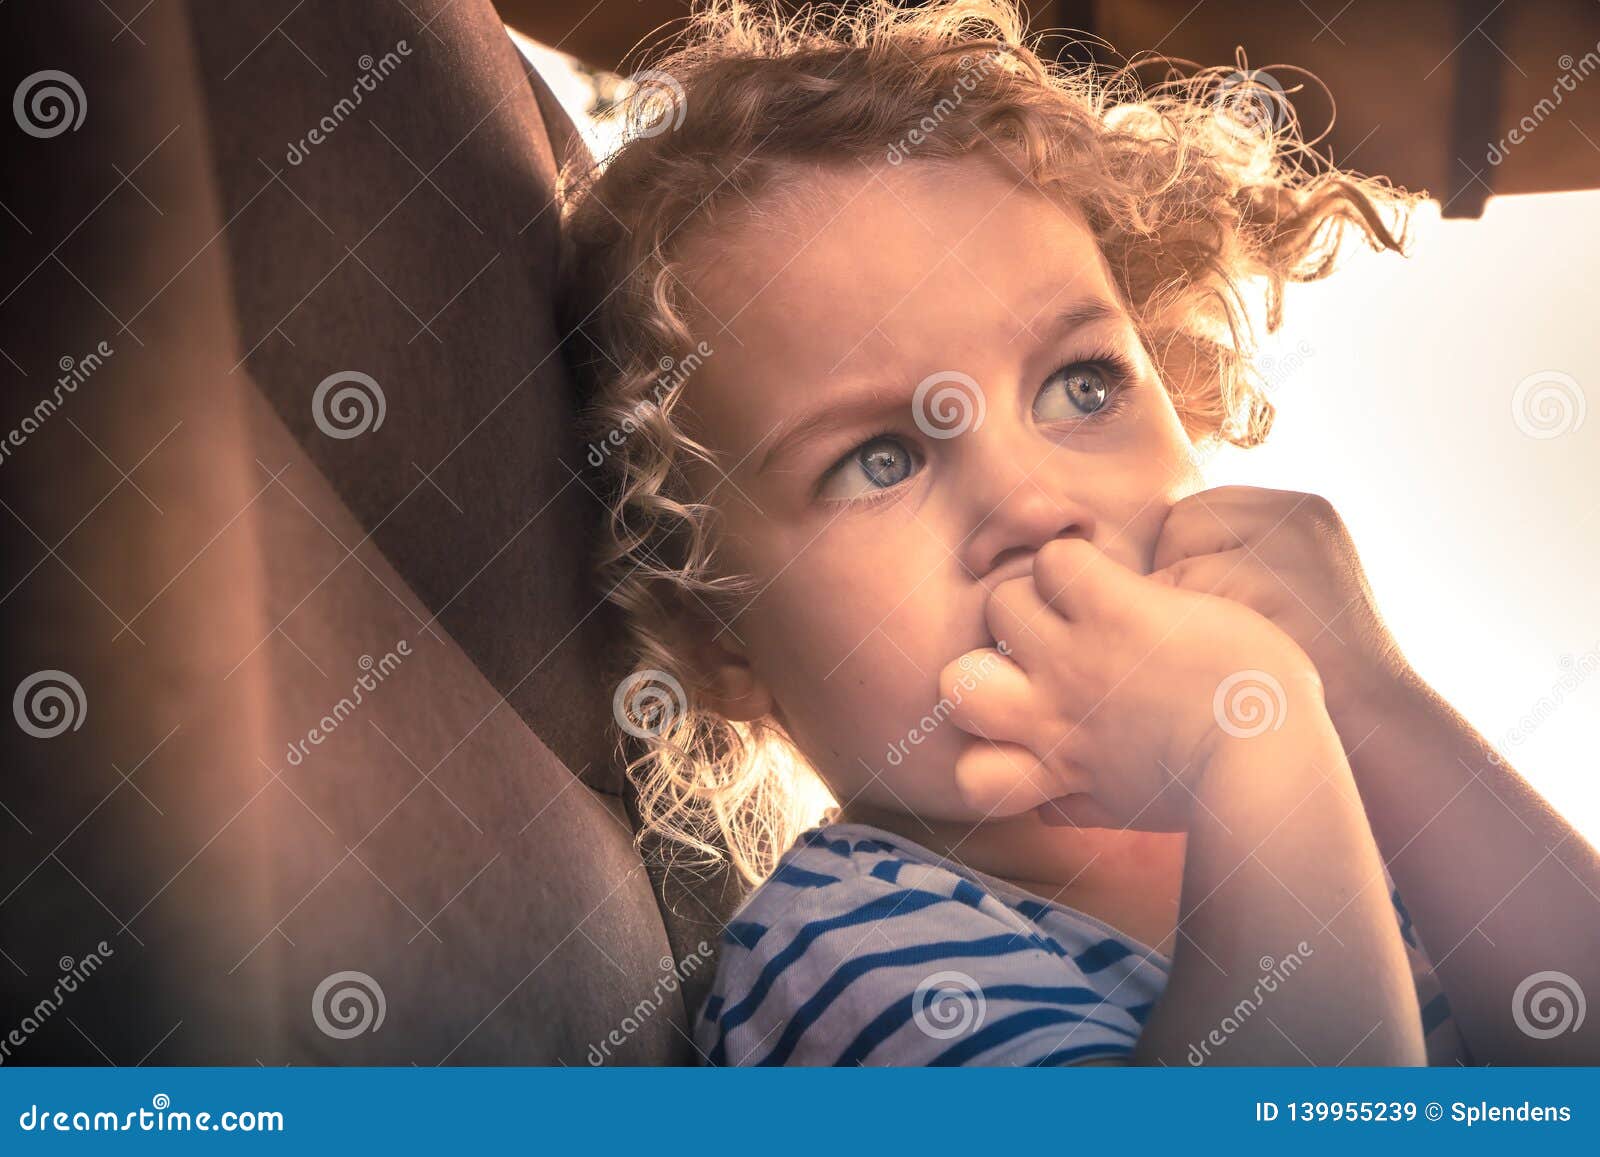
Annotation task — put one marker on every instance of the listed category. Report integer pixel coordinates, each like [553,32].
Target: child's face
[873,543]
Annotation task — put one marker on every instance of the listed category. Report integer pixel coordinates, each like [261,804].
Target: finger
[1079,580]
[1008,779]
[990,696]
[1216,520]
[1224,574]
[1081,810]
[1019,618]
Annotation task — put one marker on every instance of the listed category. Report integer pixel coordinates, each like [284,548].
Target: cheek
[1162,435]
[831,631]
[852,654]
[859,704]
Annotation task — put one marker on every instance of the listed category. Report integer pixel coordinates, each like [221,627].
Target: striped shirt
[864,947]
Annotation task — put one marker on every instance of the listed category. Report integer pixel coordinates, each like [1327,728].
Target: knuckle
[1317,520]
[1318,508]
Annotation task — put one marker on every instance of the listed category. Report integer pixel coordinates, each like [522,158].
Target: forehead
[858,270]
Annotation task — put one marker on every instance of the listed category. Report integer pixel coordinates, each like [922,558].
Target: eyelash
[1119,372]
[874,498]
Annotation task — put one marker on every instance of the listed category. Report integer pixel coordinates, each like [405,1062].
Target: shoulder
[862,948]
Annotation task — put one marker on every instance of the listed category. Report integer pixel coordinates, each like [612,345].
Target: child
[902,350]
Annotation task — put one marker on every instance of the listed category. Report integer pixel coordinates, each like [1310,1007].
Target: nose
[1020,497]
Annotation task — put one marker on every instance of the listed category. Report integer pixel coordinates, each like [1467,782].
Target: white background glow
[1394,383]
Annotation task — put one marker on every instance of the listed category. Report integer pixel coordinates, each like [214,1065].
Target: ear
[725,679]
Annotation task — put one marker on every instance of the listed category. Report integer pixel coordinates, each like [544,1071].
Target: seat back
[312,541]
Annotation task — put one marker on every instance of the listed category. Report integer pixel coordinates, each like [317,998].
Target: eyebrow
[796,430]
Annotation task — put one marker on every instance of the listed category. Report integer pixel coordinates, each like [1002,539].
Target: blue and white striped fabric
[864,947]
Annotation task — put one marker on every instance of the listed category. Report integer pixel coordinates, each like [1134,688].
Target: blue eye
[1074,391]
[878,464]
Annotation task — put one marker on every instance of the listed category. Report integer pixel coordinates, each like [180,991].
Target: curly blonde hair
[1199,189]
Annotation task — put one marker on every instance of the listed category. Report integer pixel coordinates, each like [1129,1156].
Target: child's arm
[1500,886]
[1281,867]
